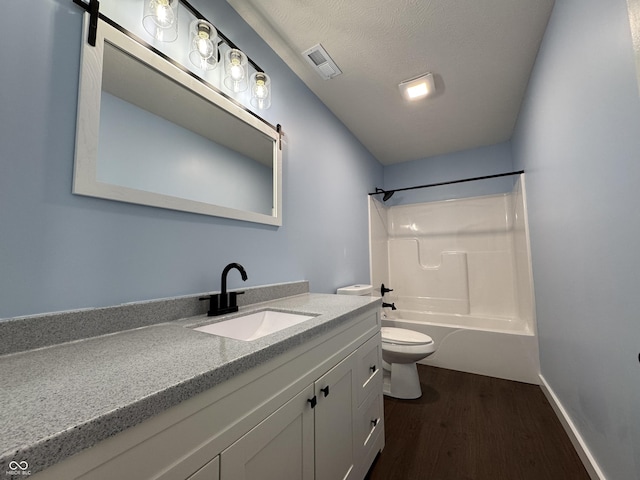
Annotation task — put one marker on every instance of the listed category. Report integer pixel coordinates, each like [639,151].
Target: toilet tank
[359,289]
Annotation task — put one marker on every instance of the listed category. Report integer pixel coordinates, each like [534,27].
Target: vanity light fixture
[160,19]
[236,72]
[206,45]
[418,88]
[260,90]
[203,51]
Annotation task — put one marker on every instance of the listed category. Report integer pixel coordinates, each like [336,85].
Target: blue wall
[59,251]
[578,138]
[477,162]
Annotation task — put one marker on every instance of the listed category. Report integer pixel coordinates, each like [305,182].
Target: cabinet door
[334,422]
[280,447]
[211,471]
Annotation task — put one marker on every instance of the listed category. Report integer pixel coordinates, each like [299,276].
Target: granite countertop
[59,400]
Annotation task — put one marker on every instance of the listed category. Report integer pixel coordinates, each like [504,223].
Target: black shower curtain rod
[389,193]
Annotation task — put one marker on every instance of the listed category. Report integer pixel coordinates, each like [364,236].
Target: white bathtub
[498,347]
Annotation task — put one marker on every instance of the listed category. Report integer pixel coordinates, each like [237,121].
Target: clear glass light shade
[160,19]
[203,50]
[260,90]
[236,71]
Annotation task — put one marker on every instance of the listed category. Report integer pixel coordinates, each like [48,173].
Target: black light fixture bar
[486,177]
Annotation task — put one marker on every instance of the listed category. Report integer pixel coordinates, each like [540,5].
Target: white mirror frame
[88,120]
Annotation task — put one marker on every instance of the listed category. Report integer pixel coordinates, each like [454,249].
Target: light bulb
[236,71]
[204,45]
[259,89]
[164,16]
[160,19]
[204,51]
[260,86]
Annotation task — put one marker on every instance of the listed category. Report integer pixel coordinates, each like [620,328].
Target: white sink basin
[254,325]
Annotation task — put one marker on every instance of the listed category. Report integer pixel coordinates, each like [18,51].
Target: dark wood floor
[469,426]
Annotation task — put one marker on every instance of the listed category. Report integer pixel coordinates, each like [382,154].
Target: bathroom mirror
[149,132]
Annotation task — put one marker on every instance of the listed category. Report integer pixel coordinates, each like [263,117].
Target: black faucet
[224,302]
[392,305]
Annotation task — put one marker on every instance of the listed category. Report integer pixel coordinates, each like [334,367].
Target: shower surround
[460,271]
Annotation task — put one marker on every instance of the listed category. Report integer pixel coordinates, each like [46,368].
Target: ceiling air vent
[321,62]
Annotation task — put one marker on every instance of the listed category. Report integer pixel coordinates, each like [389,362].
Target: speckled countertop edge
[54,406]
[42,330]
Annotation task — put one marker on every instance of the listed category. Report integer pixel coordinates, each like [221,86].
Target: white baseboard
[576,439]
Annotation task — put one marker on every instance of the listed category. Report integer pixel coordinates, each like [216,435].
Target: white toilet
[401,349]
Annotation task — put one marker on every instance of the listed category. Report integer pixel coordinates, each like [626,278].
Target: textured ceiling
[480,52]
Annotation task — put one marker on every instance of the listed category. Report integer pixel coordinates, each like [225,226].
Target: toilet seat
[402,336]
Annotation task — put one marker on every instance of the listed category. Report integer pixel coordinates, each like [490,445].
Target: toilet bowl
[401,349]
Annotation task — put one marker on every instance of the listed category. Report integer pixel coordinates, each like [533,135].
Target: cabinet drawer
[369,373]
[371,421]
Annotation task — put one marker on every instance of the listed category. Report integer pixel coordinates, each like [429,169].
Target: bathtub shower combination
[460,271]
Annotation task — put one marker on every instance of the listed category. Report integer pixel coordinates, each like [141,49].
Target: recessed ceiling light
[417,88]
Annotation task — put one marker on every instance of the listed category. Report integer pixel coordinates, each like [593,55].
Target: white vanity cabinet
[321,433]
[312,412]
